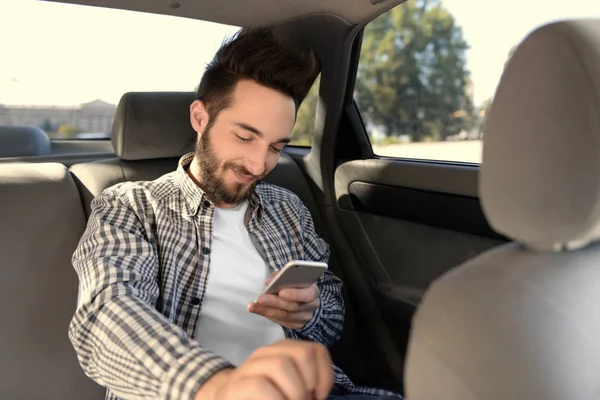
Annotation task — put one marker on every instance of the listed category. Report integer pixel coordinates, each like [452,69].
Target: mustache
[243,171]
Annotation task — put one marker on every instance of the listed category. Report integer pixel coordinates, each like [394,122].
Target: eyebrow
[258,133]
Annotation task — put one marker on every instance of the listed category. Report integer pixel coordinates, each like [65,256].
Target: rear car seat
[41,223]
[151,132]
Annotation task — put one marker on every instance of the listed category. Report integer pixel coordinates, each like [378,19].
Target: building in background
[60,121]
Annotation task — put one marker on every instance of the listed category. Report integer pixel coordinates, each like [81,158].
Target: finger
[312,306]
[324,373]
[282,370]
[269,300]
[303,354]
[292,306]
[257,388]
[253,307]
[305,295]
[302,317]
[269,312]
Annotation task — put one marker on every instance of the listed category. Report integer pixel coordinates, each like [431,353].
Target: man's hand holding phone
[291,300]
[292,308]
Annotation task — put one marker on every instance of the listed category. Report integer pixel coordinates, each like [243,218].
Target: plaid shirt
[143,263]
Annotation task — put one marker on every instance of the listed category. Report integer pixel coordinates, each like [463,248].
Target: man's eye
[242,139]
[275,149]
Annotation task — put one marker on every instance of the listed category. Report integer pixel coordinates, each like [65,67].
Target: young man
[169,270]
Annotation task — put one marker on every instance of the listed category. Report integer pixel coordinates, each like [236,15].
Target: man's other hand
[291,308]
[286,370]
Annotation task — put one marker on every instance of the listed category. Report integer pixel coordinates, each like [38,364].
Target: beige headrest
[152,125]
[540,179]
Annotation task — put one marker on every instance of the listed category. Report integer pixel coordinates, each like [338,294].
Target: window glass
[428,70]
[304,128]
[66,66]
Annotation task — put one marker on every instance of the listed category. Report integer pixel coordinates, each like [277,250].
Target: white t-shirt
[236,277]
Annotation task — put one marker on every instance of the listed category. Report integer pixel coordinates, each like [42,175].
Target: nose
[255,162]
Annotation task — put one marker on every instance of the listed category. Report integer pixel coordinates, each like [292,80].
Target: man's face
[242,145]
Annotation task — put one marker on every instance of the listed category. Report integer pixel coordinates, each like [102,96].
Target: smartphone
[296,274]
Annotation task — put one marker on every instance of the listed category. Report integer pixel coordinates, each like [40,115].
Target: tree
[412,76]
[305,122]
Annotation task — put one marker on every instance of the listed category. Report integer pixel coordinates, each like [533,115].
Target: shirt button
[207,204]
[206,250]
[195,301]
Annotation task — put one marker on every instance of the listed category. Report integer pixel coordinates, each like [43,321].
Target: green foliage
[412,76]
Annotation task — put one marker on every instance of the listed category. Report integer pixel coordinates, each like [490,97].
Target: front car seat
[522,321]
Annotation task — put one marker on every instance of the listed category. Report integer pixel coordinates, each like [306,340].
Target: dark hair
[255,54]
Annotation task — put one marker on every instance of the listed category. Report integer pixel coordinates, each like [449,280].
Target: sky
[66,54]
[61,54]
[492,28]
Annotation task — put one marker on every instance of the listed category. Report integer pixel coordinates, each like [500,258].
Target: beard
[212,176]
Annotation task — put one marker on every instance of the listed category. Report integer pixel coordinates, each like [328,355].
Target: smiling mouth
[243,178]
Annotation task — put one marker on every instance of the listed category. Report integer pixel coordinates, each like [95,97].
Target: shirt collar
[195,197]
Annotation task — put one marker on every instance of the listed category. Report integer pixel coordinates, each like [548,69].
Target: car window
[66,66]
[303,132]
[428,70]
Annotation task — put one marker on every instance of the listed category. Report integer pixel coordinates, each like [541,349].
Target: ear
[198,116]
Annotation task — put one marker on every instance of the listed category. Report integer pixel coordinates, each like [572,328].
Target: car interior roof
[255,12]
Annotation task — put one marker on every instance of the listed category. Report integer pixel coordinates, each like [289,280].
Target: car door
[401,203]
